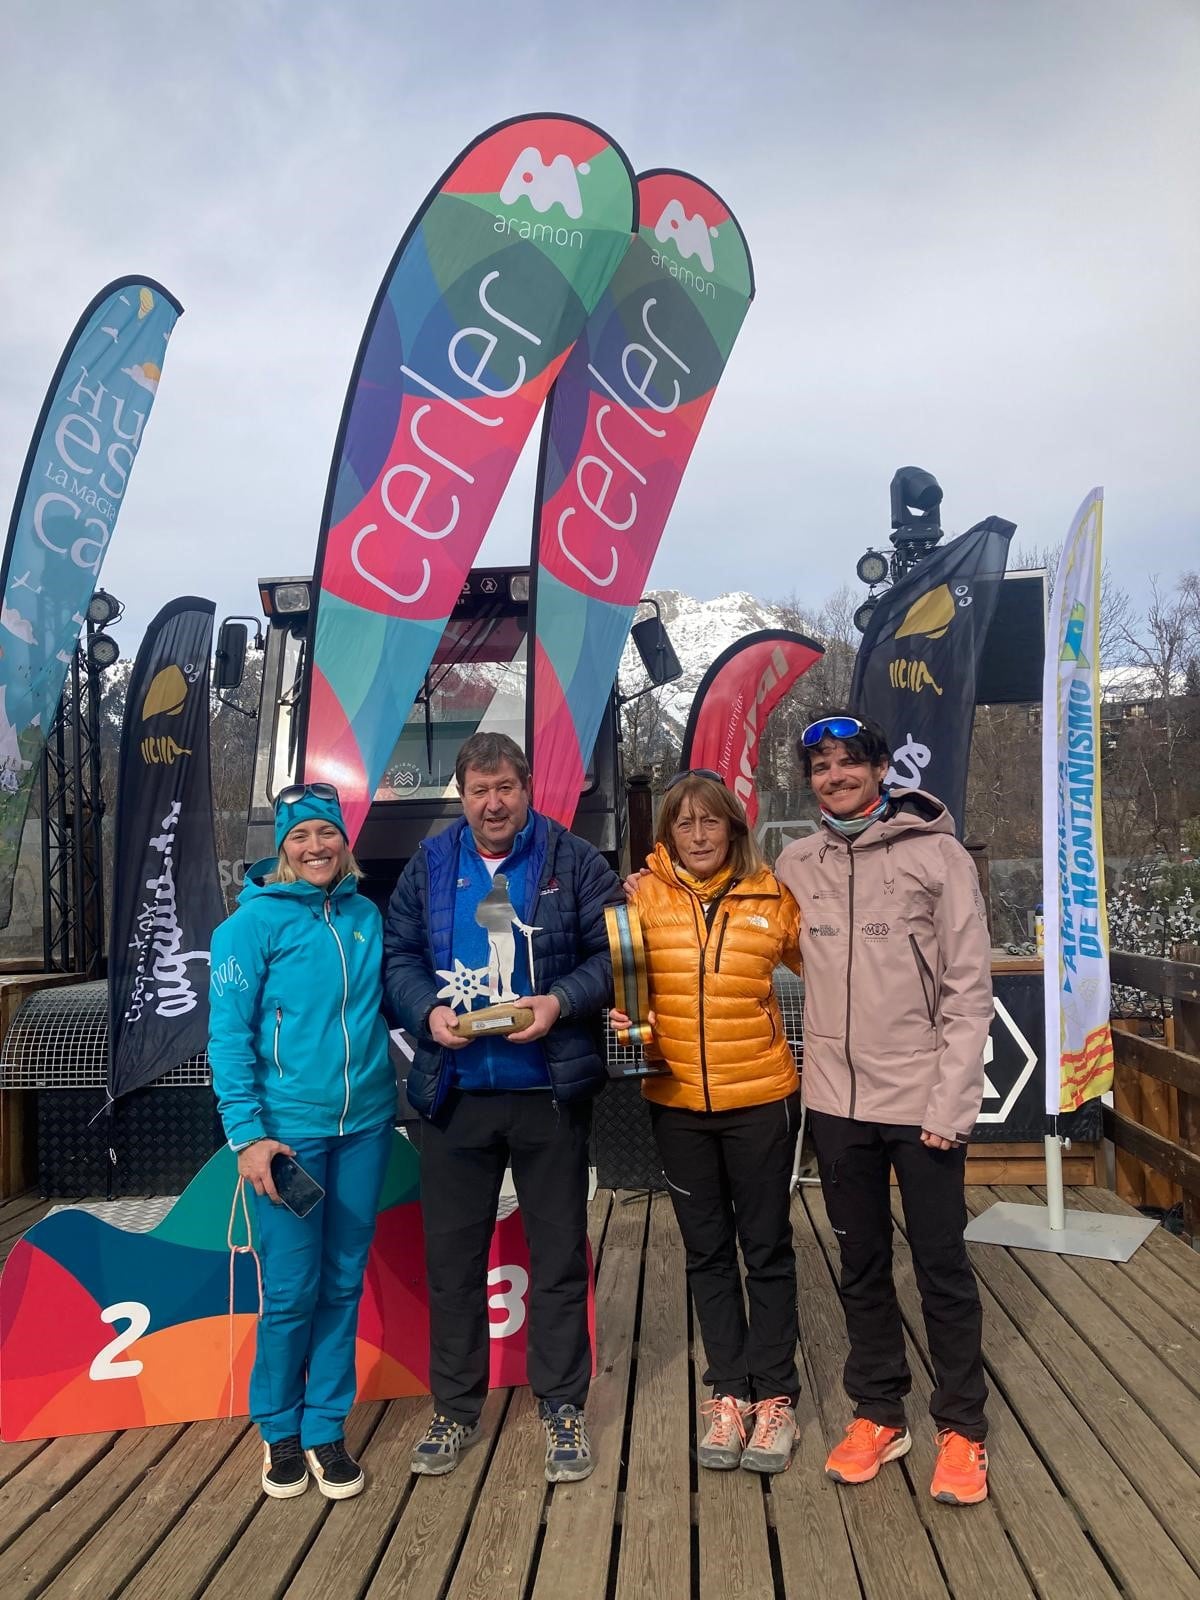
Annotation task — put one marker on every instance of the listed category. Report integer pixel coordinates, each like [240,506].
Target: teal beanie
[306,809]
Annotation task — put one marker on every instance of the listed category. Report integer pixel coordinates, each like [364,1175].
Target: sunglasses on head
[694,772]
[297,791]
[834,727]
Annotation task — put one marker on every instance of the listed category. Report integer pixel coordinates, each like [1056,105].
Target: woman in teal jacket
[300,1065]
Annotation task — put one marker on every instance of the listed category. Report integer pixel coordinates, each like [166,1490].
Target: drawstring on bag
[236,1250]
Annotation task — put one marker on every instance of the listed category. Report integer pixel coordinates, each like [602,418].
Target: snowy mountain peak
[700,630]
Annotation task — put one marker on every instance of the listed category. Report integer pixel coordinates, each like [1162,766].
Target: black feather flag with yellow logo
[916,667]
[166,887]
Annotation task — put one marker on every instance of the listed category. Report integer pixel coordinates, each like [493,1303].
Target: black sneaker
[338,1475]
[284,1474]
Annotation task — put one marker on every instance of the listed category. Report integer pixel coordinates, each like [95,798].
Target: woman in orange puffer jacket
[716,923]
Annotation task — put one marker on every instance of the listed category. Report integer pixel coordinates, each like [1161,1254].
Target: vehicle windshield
[475,683]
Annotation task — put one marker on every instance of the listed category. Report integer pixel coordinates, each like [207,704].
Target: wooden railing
[1160,1079]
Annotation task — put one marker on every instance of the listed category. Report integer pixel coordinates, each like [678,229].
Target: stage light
[102,651]
[873,567]
[103,608]
[862,615]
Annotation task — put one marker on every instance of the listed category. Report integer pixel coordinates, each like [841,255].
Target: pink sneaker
[721,1447]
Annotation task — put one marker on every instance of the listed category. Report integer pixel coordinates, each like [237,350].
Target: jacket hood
[305,893]
[660,864]
[913,811]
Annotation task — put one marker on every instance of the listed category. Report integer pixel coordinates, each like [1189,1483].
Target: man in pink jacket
[897,1006]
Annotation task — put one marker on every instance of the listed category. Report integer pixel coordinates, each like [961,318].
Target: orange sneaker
[960,1475]
[864,1450]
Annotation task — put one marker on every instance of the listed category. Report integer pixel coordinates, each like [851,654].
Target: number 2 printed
[103,1364]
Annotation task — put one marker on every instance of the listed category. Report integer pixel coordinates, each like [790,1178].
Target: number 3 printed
[511,1301]
[138,1317]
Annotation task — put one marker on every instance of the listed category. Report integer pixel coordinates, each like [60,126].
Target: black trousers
[463,1158]
[854,1159]
[728,1174]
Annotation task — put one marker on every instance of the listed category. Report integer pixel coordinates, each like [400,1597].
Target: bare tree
[1116,608]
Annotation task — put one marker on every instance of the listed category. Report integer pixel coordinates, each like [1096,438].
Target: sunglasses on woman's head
[297,791]
[694,772]
[833,727]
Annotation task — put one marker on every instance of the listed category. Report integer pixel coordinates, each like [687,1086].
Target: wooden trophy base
[500,1019]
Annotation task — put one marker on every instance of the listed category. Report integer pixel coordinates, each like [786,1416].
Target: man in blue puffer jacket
[504,906]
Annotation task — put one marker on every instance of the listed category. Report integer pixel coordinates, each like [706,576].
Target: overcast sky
[975,228]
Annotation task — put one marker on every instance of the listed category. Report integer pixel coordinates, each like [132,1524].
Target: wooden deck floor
[1095,1376]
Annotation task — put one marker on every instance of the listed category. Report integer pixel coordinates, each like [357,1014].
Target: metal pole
[78,916]
[47,914]
[1055,1203]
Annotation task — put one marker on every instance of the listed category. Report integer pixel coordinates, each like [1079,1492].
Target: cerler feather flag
[733,701]
[620,428]
[70,493]
[166,886]
[487,292]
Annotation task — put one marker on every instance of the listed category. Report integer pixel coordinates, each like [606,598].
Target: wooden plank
[1180,1165]
[1164,1246]
[13,1230]
[655,1552]
[47,1545]
[46,1478]
[1041,1522]
[122,1543]
[1119,1287]
[15,1457]
[731,1509]
[1095,1438]
[273,1542]
[804,1505]
[498,1554]
[1146,1267]
[420,1555]
[18,1205]
[1131,1175]
[890,1543]
[1127,1354]
[342,1558]
[973,1550]
[575,1552]
[1028,1169]
[206,1530]
[1155,1058]
[599,1210]
[1175,980]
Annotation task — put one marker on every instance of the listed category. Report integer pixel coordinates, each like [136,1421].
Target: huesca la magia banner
[917,664]
[166,885]
[70,493]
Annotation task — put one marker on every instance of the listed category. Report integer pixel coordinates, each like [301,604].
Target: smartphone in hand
[298,1192]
